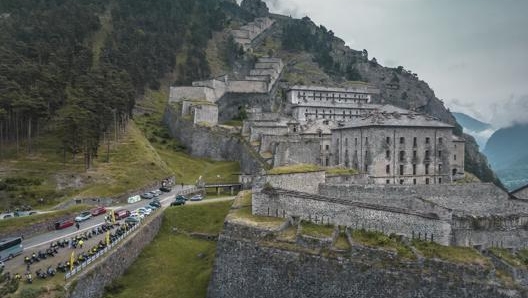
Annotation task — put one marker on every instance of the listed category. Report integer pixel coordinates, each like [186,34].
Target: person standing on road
[81,243]
[78,226]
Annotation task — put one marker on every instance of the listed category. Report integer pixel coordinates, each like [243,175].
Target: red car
[121,213]
[64,224]
[98,210]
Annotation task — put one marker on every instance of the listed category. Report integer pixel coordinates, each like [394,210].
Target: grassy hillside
[175,264]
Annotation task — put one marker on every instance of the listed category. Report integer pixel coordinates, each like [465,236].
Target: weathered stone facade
[316,102]
[246,266]
[398,149]
[475,215]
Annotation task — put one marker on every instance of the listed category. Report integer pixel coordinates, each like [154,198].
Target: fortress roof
[357,88]
[382,118]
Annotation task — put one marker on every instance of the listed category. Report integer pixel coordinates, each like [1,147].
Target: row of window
[331,95]
[402,141]
[415,155]
[402,169]
[427,181]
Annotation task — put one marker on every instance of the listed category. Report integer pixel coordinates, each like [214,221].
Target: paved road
[165,199]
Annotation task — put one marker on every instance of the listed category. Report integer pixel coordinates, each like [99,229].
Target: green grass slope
[175,264]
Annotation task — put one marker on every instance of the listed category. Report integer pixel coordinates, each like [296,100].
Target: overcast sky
[473,53]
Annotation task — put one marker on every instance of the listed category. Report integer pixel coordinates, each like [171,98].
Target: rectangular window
[401,181]
[427,140]
[387,181]
[402,140]
[439,180]
[346,142]
[440,168]
[454,157]
[327,162]
[387,169]
[426,169]
[427,156]
[402,155]
[366,140]
[327,147]
[414,169]
[401,169]
[387,154]
[366,167]
[414,142]
[439,153]
[415,154]
[426,180]
[414,181]
[440,141]
[388,140]
[355,141]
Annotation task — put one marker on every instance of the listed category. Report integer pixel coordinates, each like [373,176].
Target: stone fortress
[399,167]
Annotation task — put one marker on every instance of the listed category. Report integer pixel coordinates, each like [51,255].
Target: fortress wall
[308,182]
[196,93]
[214,143]
[383,196]
[263,78]
[483,239]
[454,196]
[509,231]
[304,151]
[258,131]
[357,217]
[206,114]
[267,142]
[250,269]
[247,87]
[92,282]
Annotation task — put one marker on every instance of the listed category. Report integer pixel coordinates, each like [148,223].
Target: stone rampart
[294,152]
[247,87]
[91,283]
[211,142]
[245,268]
[178,94]
[308,182]
[385,219]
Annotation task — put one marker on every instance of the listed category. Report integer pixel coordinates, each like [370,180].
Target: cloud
[513,110]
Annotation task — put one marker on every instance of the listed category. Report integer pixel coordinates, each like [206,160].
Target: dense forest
[75,67]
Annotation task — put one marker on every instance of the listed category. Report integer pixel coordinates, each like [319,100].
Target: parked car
[147,196]
[155,203]
[121,213]
[165,189]
[138,214]
[132,219]
[178,201]
[144,211]
[156,192]
[196,198]
[85,215]
[64,224]
[98,210]
[6,215]
[182,197]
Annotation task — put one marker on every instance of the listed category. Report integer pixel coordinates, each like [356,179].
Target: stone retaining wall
[91,283]
[246,268]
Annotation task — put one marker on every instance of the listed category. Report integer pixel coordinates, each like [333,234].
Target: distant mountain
[507,154]
[471,123]
[481,131]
